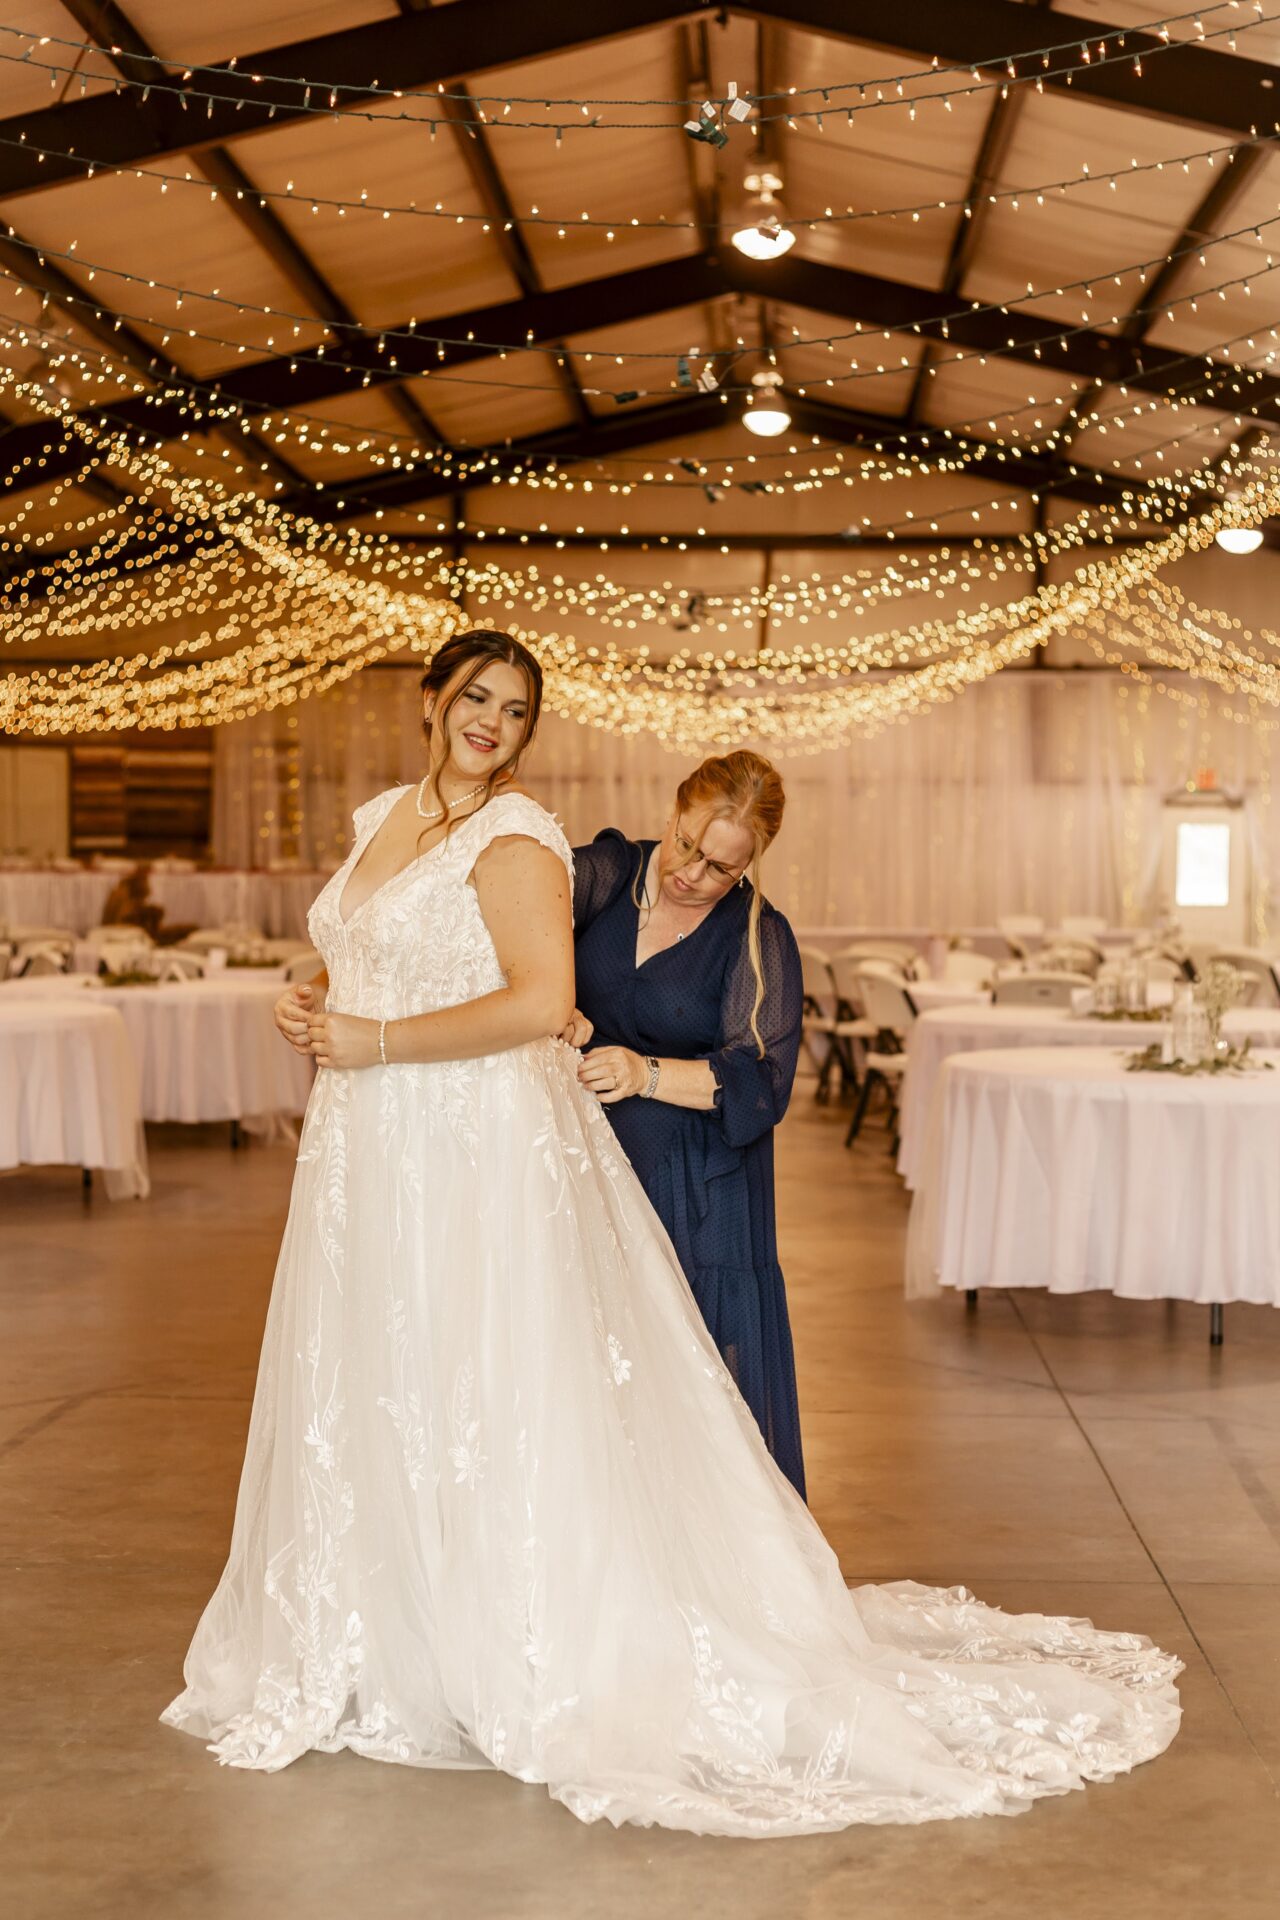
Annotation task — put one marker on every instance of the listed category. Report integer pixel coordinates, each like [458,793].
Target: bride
[502,1505]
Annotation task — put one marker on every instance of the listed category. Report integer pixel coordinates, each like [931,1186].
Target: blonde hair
[746,789]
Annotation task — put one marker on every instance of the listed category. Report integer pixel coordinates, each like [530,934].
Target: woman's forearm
[686,1083]
[509,1017]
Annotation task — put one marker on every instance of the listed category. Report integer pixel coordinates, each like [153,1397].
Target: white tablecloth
[205,1049]
[937,1035]
[276,903]
[1057,1168]
[69,1090]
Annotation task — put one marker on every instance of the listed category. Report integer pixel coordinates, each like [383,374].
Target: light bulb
[1239,539]
[766,411]
[764,240]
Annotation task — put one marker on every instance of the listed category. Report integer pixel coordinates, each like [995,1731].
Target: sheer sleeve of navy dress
[709,1175]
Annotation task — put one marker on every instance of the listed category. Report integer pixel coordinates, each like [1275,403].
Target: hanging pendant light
[1239,539]
[764,235]
[766,411]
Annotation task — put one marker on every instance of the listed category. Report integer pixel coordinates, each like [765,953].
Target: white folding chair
[177,966]
[36,958]
[899,953]
[1041,989]
[964,967]
[1018,929]
[1082,926]
[1070,956]
[117,933]
[1256,966]
[889,1008]
[818,1018]
[204,939]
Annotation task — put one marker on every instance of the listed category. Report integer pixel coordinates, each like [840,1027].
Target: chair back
[117,933]
[1082,926]
[900,953]
[181,966]
[204,939]
[815,974]
[1254,965]
[1022,926]
[305,966]
[36,958]
[1041,989]
[964,967]
[1070,956]
[887,1002]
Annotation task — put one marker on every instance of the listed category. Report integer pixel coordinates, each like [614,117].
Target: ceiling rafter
[112,30]
[988,166]
[476,151]
[1241,166]
[27,265]
[269,386]
[1198,85]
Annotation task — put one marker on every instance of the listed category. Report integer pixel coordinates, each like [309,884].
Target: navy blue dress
[709,1175]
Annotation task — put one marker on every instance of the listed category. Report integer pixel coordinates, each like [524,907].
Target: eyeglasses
[691,854]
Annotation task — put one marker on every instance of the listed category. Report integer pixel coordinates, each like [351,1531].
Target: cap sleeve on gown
[516,815]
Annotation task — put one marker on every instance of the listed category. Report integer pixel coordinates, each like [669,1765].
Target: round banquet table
[69,1090]
[1057,1168]
[937,1035]
[205,1049]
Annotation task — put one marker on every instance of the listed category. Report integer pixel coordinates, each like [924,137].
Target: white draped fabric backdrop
[1038,792]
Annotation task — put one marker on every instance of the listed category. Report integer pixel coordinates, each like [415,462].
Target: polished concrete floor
[1066,1456]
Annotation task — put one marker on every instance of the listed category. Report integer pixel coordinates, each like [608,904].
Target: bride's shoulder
[372,813]
[515,814]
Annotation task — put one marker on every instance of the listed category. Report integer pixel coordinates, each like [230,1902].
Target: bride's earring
[742,879]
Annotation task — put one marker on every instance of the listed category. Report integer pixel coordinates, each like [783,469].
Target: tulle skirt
[502,1506]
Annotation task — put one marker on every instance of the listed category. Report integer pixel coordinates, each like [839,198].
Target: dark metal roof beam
[270,385]
[1196,84]
[111,29]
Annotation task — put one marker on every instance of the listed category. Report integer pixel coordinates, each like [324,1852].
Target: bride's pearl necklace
[440,812]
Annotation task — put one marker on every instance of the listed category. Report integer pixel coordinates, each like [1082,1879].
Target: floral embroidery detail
[468,1461]
[621,1365]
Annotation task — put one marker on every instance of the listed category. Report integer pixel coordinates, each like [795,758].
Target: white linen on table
[939,1034]
[69,1090]
[1057,1168]
[209,1050]
[205,1049]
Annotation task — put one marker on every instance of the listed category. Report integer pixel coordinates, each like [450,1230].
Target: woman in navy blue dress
[689,1007]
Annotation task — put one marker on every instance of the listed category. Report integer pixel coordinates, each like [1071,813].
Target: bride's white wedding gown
[503,1507]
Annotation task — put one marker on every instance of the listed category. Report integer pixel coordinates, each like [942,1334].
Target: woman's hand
[342,1040]
[613,1073]
[291,1014]
[578,1031]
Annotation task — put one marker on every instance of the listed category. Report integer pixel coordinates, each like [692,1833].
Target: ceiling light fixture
[1239,539]
[763,235]
[766,411]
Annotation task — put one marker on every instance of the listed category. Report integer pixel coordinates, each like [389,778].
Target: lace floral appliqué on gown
[502,1505]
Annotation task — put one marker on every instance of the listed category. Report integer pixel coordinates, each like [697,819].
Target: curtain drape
[1039,792]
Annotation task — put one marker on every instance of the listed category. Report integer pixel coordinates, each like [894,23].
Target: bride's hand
[613,1073]
[342,1040]
[291,1013]
[578,1031]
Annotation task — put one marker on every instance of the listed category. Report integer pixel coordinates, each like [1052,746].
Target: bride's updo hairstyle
[457,663]
[746,789]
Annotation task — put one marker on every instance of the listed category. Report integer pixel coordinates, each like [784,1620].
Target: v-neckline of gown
[408,867]
[640,965]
